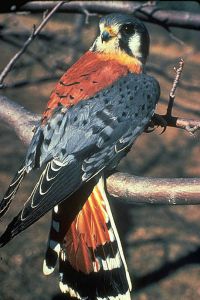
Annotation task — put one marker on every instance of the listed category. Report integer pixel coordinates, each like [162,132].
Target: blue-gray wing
[77,143]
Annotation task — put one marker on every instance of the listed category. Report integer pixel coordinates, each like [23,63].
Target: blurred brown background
[162,243]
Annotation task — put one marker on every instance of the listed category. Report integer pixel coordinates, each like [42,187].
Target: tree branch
[18,118]
[130,188]
[150,13]
[171,121]
[133,189]
[34,33]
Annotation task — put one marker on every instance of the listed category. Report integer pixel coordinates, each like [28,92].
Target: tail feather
[12,190]
[91,259]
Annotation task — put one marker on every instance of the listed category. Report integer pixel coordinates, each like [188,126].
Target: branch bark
[187,124]
[131,189]
[18,118]
[152,14]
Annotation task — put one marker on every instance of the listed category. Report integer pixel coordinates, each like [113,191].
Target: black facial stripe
[144,45]
[123,44]
[128,26]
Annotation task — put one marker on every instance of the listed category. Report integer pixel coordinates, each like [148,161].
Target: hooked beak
[105,36]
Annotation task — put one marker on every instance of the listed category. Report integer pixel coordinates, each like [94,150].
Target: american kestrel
[96,111]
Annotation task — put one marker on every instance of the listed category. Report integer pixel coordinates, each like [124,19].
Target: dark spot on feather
[84,122]
[69,84]
[136,114]
[45,118]
[75,118]
[63,151]
[63,96]
[124,114]
[59,123]
[94,81]
[109,107]
[148,96]
[71,97]
[47,141]
[96,129]
[83,75]
[48,127]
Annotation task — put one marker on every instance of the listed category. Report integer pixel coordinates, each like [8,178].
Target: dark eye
[128,29]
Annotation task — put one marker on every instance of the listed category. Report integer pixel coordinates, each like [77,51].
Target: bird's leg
[156,121]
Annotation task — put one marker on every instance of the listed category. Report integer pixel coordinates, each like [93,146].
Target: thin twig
[167,119]
[34,33]
[174,86]
[88,15]
[174,37]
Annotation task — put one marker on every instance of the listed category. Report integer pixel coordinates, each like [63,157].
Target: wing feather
[12,190]
[89,137]
[39,203]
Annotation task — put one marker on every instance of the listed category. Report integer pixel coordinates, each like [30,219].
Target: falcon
[95,113]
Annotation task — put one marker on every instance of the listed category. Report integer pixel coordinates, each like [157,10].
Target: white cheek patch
[134,45]
[107,47]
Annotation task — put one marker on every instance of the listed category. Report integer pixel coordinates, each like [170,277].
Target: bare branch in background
[34,33]
[150,13]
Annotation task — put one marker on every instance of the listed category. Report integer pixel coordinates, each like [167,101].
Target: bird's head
[122,35]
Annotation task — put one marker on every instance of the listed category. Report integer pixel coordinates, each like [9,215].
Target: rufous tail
[91,259]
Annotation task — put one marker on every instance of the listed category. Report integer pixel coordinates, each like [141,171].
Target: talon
[163,130]
[155,122]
